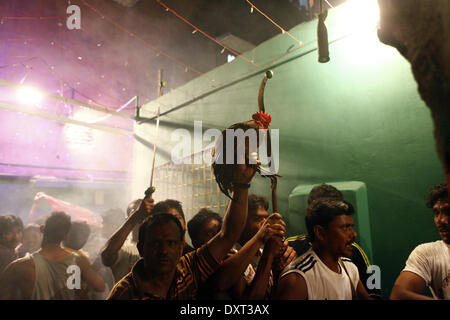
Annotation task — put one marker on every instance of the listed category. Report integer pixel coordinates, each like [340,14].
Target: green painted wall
[358,117]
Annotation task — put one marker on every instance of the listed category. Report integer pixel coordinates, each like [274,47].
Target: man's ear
[41,228]
[319,232]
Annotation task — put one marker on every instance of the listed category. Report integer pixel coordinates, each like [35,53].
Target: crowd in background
[142,254]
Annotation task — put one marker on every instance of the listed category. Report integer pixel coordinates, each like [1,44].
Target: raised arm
[257,290]
[110,252]
[408,286]
[236,215]
[232,268]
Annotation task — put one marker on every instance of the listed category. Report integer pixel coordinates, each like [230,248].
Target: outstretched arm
[235,217]
[110,252]
[408,286]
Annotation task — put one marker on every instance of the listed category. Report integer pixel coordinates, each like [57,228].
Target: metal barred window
[193,183]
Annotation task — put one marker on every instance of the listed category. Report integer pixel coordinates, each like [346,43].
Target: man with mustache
[324,272]
[429,263]
[301,243]
[120,255]
[164,273]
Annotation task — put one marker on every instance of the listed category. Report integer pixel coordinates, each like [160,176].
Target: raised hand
[286,257]
[273,226]
[145,209]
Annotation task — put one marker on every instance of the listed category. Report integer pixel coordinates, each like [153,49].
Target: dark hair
[9,221]
[166,205]
[197,222]
[157,220]
[323,211]
[436,193]
[255,201]
[78,235]
[324,191]
[56,227]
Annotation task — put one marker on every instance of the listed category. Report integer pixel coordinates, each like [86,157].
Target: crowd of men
[243,255]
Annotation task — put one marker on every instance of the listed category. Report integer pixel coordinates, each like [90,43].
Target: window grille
[192,182]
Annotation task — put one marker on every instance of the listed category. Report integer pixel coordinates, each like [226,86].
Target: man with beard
[429,263]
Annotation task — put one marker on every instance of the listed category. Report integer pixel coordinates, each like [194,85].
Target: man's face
[162,248]
[12,238]
[32,240]
[177,215]
[441,211]
[340,235]
[255,220]
[209,229]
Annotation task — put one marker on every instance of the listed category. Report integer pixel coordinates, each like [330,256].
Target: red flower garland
[263,119]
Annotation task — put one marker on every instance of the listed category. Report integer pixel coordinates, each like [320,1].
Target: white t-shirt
[431,261]
[322,282]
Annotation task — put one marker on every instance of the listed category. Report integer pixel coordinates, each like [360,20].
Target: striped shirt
[193,269]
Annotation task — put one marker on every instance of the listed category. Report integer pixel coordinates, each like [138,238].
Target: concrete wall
[356,118]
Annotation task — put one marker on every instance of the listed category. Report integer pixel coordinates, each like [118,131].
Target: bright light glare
[28,95]
[362,14]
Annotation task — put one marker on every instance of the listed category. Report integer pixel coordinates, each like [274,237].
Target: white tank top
[323,283]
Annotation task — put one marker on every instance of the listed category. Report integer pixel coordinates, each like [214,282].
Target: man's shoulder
[301,264]
[122,290]
[200,260]
[350,264]
[21,266]
[24,261]
[434,248]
